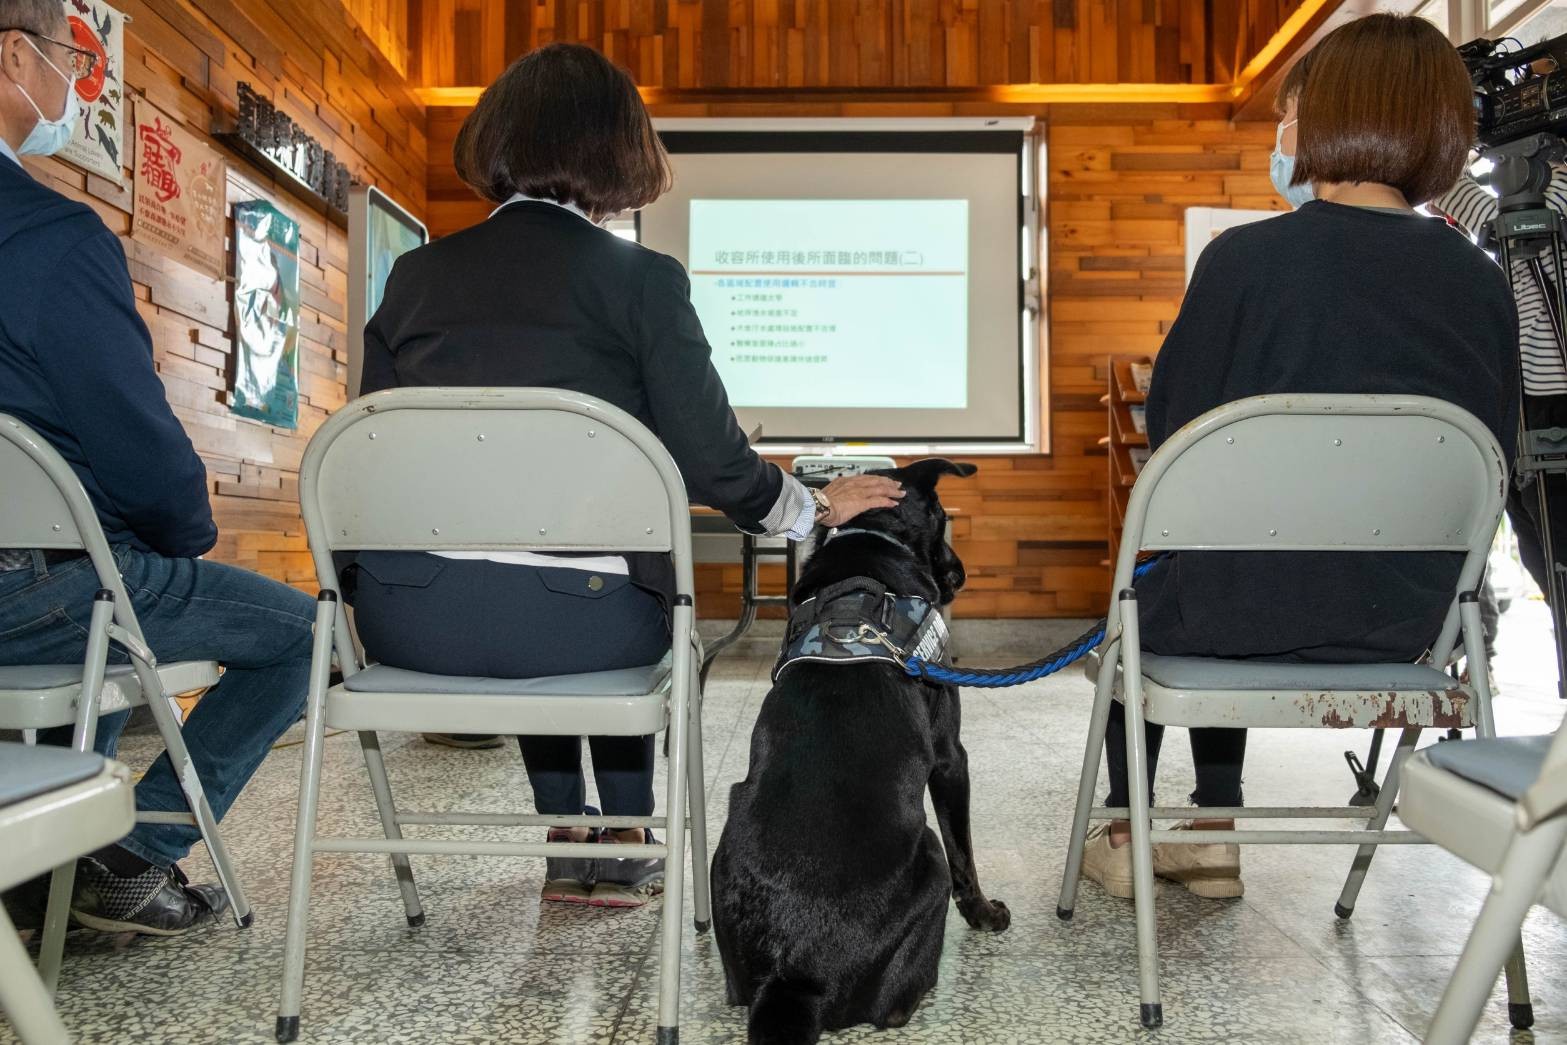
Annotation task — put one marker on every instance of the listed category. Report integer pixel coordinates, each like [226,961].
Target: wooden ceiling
[1177,50]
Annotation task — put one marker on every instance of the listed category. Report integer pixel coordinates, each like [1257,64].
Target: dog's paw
[989,915]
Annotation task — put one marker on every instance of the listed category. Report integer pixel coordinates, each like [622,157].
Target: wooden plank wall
[1032,528]
[854,43]
[386,23]
[323,70]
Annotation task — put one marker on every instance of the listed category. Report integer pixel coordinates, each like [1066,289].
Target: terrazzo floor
[491,965]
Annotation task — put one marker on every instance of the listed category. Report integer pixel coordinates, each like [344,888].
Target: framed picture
[100,133]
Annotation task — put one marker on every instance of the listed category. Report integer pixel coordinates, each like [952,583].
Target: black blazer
[538,296]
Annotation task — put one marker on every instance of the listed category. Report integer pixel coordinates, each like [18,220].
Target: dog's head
[920,522]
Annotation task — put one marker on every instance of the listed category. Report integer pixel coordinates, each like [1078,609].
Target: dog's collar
[849,531]
[859,620]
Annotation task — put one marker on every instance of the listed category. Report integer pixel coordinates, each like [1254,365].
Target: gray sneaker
[626,882]
[569,879]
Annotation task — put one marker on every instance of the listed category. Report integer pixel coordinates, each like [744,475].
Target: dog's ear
[925,474]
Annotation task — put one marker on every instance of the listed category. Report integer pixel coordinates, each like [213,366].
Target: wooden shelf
[1121,439]
[1123,387]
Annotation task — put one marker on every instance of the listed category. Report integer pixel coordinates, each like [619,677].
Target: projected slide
[835,303]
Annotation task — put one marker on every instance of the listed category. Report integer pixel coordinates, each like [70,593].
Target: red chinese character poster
[181,192]
[98,145]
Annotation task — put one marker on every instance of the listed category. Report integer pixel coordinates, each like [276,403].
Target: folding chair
[464,469]
[1340,473]
[1500,805]
[55,805]
[45,507]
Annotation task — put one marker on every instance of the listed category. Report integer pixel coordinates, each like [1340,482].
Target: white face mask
[50,136]
[1281,170]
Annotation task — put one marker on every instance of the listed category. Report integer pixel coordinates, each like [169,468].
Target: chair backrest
[491,469]
[44,506]
[1370,473]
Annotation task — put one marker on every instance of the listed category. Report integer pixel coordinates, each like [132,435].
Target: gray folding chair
[519,469]
[1376,474]
[55,805]
[1501,805]
[45,507]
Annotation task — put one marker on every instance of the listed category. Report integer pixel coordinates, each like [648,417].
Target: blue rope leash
[996,678]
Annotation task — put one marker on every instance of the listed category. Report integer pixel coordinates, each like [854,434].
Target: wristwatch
[823,505]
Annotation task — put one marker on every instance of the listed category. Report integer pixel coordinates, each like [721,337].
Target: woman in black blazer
[540,294]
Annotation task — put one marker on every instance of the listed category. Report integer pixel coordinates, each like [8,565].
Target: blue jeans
[190,609]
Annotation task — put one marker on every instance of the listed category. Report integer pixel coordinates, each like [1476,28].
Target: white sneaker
[1109,866]
[1211,870]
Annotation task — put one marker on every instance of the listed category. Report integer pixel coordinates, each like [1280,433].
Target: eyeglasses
[83,61]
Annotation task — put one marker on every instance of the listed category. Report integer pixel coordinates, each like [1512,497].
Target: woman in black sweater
[1354,292]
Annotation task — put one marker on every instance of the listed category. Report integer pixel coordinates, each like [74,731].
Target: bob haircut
[1388,101]
[564,123]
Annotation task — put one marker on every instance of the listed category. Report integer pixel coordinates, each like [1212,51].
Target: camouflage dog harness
[859,620]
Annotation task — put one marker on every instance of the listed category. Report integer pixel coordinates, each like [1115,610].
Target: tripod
[1526,229]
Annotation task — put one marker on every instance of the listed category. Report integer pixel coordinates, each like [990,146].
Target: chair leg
[698,805]
[1494,938]
[1479,664]
[381,785]
[1384,808]
[51,951]
[190,783]
[305,823]
[1152,1010]
[675,865]
[22,995]
[1089,779]
[1520,1009]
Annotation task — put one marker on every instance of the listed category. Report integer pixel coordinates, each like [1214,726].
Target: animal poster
[100,132]
[266,314]
[181,191]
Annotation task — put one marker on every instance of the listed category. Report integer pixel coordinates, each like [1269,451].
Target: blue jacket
[76,365]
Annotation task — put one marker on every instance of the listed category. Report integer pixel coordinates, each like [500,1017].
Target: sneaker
[569,879]
[464,741]
[1109,866]
[1208,870]
[627,882]
[158,902]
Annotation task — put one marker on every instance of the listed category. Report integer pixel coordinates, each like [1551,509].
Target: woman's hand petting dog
[854,495]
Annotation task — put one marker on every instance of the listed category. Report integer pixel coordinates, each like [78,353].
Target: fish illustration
[103,27]
[109,147]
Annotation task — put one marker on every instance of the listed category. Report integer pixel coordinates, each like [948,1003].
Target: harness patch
[859,620]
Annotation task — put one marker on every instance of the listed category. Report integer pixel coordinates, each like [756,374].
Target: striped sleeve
[1473,206]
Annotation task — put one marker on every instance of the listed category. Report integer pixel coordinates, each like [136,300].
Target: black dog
[829,890]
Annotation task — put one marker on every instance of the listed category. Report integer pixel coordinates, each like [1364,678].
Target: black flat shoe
[157,902]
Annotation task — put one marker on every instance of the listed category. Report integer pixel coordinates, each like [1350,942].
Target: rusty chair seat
[1208,691]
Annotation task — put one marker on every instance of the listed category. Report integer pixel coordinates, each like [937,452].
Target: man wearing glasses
[76,364]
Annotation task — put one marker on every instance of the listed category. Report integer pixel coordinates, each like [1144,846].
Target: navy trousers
[465,617]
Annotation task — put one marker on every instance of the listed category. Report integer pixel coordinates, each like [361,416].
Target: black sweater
[1329,299]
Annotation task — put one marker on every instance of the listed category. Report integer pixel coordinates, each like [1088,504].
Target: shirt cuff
[793,515]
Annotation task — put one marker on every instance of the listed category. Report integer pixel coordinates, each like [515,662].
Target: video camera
[1512,101]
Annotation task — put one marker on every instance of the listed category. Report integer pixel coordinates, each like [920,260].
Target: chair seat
[26,771]
[1506,765]
[1209,691]
[626,702]
[78,803]
[1474,821]
[44,695]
